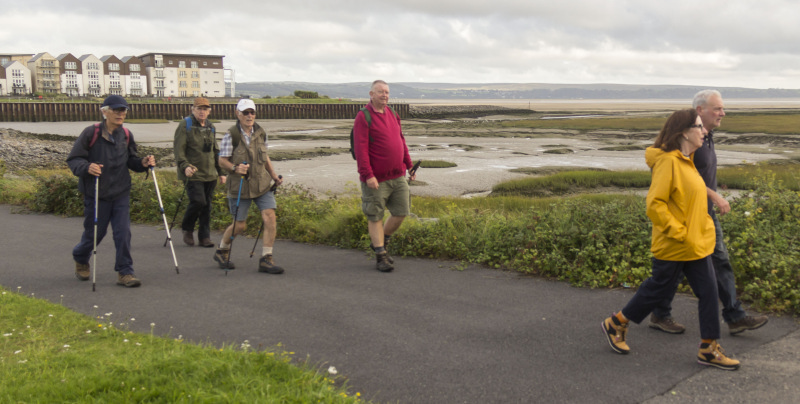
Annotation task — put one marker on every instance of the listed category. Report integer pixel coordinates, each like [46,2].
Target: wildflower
[108,314]
[88,331]
[746,213]
[133,319]
[125,340]
[8,335]
[23,361]
[49,315]
[332,370]
[66,345]
[17,352]
[95,306]
[245,345]
[138,344]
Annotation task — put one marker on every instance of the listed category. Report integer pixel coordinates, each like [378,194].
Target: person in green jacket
[682,241]
[196,151]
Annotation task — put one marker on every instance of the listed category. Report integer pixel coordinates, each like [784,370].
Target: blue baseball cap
[114,102]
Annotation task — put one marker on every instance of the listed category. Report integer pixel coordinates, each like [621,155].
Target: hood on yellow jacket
[677,204]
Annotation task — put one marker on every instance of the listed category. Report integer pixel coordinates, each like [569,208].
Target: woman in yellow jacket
[683,238]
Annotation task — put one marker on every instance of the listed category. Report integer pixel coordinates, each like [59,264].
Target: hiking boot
[222,256]
[188,238]
[747,323]
[265,264]
[389,257]
[82,271]
[615,333]
[666,324]
[713,355]
[128,280]
[383,263]
[206,242]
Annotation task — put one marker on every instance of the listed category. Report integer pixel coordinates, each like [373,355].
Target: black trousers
[200,195]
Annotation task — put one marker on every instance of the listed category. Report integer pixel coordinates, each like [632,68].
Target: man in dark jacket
[104,152]
[196,153]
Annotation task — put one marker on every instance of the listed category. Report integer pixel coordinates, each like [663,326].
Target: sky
[734,43]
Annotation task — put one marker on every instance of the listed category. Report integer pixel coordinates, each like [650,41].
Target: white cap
[245,104]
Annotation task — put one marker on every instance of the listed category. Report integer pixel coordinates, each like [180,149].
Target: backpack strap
[97,133]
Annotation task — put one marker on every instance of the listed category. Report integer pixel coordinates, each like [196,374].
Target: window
[194,65]
[135,76]
[195,75]
[195,84]
[182,84]
[134,68]
[182,74]
[205,63]
[113,66]
[182,64]
[92,66]
[70,65]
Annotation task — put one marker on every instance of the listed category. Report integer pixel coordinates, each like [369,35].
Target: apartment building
[70,69]
[15,77]
[184,75]
[92,68]
[112,79]
[45,73]
[133,78]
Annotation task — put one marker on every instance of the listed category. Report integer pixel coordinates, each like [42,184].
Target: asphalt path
[425,333]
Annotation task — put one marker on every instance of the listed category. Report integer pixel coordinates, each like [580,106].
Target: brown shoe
[82,271]
[265,264]
[188,238]
[129,281]
[383,263]
[713,355]
[223,259]
[747,323]
[668,325]
[206,242]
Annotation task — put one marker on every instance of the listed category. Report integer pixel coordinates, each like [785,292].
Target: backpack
[97,133]
[188,120]
[369,121]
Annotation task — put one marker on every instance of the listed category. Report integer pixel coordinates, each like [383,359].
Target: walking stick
[177,209]
[164,217]
[94,248]
[272,188]
[233,226]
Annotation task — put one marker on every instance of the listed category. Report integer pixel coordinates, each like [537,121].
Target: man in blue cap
[104,152]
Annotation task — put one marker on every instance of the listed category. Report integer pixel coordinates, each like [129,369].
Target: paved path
[425,333]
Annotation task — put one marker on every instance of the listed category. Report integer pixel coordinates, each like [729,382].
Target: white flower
[747,213]
[133,319]
[152,324]
[66,345]
[332,370]
[95,306]
[138,344]
[23,361]
[125,340]
[8,335]
[88,331]
[49,315]
[17,352]
[108,314]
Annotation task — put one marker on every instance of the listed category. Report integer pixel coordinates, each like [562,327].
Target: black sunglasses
[249,112]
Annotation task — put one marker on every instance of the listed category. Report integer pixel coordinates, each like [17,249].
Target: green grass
[50,354]
[437,164]
[573,181]
[548,170]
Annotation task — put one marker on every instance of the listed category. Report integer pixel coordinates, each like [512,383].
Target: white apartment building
[70,74]
[133,76]
[92,68]
[184,75]
[112,79]
[15,78]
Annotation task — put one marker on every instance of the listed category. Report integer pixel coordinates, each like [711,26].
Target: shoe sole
[739,331]
[662,329]
[717,365]
[130,284]
[265,271]
[222,264]
[611,341]
[81,277]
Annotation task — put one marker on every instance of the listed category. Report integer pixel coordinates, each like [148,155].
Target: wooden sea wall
[56,111]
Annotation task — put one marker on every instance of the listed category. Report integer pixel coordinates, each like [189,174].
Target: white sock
[224,246]
[266,251]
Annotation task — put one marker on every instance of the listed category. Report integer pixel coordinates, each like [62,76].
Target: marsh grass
[437,164]
[548,170]
[50,354]
[558,151]
[572,182]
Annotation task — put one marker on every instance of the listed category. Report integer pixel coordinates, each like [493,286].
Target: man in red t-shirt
[383,159]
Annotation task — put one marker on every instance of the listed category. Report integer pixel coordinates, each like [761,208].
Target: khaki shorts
[392,194]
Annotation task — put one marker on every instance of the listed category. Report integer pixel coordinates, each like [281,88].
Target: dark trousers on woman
[200,195]
[661,284]
[117,213]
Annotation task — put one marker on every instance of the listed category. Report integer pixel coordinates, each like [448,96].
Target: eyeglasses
[120,110]
[249,112]
[697,125]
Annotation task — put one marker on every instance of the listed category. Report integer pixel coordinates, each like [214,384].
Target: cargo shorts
[391,194]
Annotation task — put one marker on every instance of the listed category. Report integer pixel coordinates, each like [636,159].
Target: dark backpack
[188,120]
[97,133]
[369,121]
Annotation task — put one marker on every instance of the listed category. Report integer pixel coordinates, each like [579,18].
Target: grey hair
[701,98]
[377,82]
[104,110]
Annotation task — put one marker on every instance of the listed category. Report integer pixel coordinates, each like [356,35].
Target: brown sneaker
[223,259]
[206,242]
[188,238]
[265,264]
[616,332]
[129,281]
[667,324]
[713,355]
[383,263]
[747,323]
[82,271]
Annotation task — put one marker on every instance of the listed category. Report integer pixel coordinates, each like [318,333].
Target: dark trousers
[732,310]
[199,209]
[660,285]
[118,214]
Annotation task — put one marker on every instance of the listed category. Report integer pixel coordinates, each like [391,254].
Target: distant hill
[506,91]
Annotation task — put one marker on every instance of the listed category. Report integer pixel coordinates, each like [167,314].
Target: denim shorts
[264,202]
[391,194]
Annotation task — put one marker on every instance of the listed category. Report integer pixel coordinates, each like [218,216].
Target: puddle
[302,132]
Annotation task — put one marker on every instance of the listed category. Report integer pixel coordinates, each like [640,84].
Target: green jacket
[198,147]
[258,180]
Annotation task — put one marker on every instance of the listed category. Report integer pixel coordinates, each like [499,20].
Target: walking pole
[272,188]
[233,226]
[164,217]
[177,209]
[94,248]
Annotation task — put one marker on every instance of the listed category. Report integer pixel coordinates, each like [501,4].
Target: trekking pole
[272,188]
[94,248]
[164,217]
[177,209]
[233,226]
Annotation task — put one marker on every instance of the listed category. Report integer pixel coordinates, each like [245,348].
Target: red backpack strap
[97,133]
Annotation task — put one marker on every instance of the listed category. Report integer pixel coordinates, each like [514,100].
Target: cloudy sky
[740,43]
